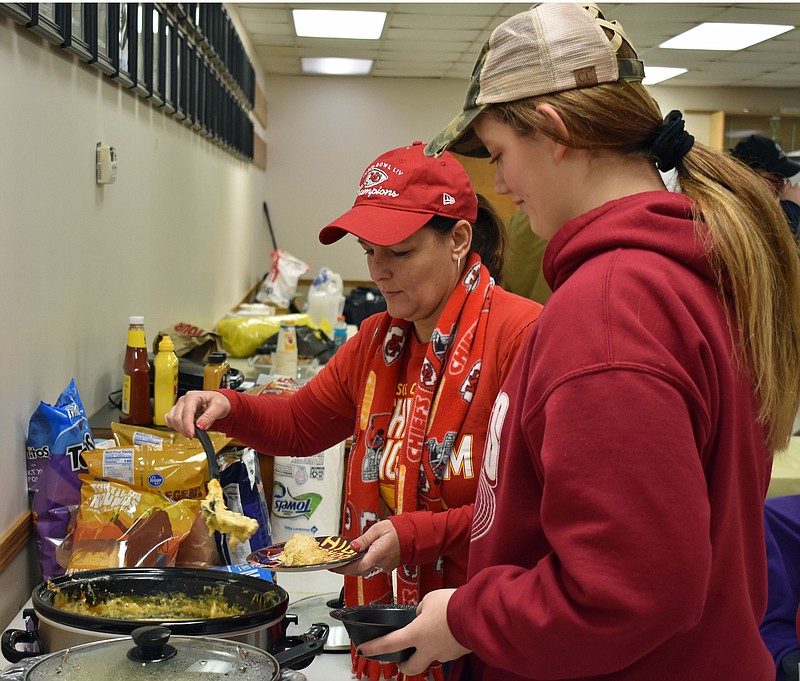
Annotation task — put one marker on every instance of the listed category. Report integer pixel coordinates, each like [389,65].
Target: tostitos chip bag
[57,436]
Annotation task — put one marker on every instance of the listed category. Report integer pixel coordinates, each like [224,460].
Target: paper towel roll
[307,494]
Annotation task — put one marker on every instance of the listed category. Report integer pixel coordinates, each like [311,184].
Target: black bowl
[365,622]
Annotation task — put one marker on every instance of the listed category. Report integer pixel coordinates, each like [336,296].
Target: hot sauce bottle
[136,377]
[215,373]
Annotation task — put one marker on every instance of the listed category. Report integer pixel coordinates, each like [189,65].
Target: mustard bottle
[215,374]
[165,383]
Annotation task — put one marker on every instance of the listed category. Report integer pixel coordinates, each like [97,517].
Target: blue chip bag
[56,437]
[241,485]
[61,429]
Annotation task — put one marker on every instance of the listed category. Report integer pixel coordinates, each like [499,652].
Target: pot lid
[154,654]
[313,609]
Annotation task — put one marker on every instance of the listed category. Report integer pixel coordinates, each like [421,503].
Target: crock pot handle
[11,638]
[291,658]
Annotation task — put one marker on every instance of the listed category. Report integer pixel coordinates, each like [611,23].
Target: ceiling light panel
[727,37]
[336,66]
[324,23]
[658,74]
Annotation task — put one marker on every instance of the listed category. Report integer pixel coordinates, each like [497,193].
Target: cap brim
[377,225]
[459,137]
[785,167]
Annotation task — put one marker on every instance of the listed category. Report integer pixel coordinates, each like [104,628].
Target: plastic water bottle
[284,359]
[339,333]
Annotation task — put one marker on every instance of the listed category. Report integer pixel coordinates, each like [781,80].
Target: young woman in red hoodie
[617,532]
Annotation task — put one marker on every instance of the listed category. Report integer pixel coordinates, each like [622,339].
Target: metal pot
[157,655]
[54,629]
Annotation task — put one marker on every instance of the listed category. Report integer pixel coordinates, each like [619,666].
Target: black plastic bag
[363,302]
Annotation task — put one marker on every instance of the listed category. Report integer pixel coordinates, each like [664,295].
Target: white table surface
[786,470]
[326,666]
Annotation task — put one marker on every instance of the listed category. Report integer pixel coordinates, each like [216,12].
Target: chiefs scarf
[443,394]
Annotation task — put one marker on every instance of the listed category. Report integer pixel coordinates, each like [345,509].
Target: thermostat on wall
[106,164]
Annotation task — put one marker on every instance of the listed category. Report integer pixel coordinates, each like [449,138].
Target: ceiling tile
[442,40]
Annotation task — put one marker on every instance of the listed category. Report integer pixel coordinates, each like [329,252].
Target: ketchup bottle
[136,377]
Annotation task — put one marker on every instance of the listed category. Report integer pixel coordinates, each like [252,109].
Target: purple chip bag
[54,506]
[56,437]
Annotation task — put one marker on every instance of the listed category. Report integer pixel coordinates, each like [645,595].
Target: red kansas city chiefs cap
[400,192]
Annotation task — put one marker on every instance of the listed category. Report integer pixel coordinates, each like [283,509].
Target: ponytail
[488,236]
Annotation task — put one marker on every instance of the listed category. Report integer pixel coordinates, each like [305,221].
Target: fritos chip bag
[120,525]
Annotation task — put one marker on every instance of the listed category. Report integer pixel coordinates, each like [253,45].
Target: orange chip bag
[120,525]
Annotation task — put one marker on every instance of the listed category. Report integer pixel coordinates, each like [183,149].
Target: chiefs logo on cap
[374,176]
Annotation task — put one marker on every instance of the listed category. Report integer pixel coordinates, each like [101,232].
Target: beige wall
[181,235]
[323,132]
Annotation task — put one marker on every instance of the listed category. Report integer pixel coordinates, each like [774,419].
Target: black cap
[763,153]
[217,357]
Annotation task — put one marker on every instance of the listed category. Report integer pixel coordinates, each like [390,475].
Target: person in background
[781,622]
[765,156]
[416,383]
[617,532]
[523,272]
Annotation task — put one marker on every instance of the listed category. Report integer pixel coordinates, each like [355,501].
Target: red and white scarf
[449,377]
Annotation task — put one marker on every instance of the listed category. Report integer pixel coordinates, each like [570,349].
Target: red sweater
[324,412]
[618,529]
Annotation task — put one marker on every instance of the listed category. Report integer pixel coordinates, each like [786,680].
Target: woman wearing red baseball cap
[416,383]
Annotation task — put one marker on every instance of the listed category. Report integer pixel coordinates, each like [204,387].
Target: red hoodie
[618,530]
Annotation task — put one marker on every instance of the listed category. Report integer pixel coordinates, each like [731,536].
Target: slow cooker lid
[182,658]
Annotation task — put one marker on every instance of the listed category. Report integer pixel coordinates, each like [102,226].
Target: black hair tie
[672,142]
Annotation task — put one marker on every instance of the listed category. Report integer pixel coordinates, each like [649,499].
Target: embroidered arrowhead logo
[374,176]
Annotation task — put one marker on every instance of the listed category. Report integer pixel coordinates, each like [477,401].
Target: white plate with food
[303,553]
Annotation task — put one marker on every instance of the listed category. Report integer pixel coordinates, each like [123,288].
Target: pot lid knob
[152,644]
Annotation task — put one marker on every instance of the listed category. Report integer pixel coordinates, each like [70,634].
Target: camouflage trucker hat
[549,48]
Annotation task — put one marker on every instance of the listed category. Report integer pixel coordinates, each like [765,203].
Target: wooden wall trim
[15,538]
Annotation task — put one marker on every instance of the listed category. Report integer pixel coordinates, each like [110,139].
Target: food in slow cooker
[156,607]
